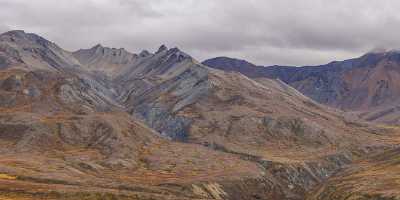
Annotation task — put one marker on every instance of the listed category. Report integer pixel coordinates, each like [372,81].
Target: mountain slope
[374,178]
[161,126]
[189,102]
[367,85]
[60,139]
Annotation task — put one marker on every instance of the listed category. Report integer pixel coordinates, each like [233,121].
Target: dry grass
[375,177]
[7,177]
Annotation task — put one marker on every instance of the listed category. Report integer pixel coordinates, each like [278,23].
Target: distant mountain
[235,65]
[104,123]
[368,84]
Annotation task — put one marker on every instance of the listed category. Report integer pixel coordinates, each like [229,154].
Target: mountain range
[367,85]
[105,123]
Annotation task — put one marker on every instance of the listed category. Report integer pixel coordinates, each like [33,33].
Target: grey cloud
[303,32]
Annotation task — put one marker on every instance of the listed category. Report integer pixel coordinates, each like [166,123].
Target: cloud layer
[285,32]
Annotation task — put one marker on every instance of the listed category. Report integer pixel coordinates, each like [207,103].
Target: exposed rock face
[367,84]
[212,134]
[143,81]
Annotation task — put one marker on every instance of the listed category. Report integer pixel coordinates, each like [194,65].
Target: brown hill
[374,178]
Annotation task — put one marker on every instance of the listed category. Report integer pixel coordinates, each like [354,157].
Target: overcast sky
[266,32]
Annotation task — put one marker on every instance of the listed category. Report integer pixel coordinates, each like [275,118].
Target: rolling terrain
[375,178]
[104,123]
[365,86]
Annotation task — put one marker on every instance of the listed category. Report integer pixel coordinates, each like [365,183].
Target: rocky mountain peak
[34,51]
[383,51]
[99,50]
[176,51]
[233,63]
[104,59]
[144,53]
[373,58]
[162,48]
[172,54]
[15,33]
[23,38]
[98,46]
